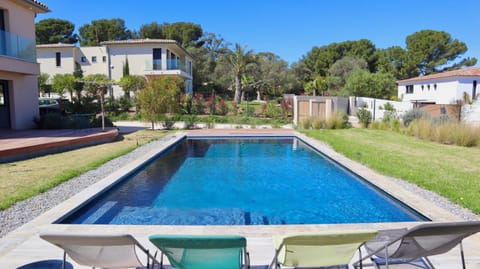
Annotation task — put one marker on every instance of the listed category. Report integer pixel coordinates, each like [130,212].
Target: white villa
[442,88]
[146,57]
[18,64]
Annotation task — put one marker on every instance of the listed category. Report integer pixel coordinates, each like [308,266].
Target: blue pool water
[242,181]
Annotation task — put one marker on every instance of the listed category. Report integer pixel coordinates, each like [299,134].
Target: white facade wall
[440,91]
[20,19]
[20,74]
[110,60]
[46,57]
[91,60]
[138,58]
[25,107]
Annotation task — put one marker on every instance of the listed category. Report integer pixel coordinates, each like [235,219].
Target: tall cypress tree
[126,68]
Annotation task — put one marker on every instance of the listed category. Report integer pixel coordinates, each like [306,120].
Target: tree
[273,73]
[206,58]
[62,82]
[239,59]
[52,31]
[159,96]
[152,30]
[43,85]
[97,85]
[435,51]
[126,67]
[317,85]
[186,33]
[341,70]
[103,30]
[78,84]
[376,85]
[395,60]
[132,83]
[319,60]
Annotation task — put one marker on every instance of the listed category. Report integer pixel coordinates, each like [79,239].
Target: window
[428,86]
[435,86]
[94,59]
[84,59]
[409,89]
[104,59]
[423,86]
[3,93]
[157,59]
[474,89]
[58,59]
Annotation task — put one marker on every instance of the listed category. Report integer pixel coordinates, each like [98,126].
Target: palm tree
[239,60]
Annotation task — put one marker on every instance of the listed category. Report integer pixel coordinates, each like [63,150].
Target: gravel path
[27,210]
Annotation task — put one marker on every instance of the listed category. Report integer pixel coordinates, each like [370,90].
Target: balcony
[19,47]
[173,67]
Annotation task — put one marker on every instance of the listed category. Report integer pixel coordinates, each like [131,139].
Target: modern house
[146,57]
[18,64]
[442,88]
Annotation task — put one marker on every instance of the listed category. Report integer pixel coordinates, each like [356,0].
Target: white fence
[377,106]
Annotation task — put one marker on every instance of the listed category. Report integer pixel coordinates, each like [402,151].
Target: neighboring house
[442,88]
[18,64]
[146,57]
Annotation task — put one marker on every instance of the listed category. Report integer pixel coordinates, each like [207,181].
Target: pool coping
[23,245]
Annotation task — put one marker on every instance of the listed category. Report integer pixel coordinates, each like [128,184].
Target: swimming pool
[242,181]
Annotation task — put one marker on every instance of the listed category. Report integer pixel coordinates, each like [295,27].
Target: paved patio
[23,246]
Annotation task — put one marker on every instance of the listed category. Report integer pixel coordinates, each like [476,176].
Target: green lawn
[451,171]
[24,179]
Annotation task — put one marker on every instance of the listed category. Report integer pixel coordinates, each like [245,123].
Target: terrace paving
[23,246]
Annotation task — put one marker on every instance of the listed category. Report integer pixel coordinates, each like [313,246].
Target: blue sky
[290,28]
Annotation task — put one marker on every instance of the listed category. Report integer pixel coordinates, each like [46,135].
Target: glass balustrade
[15,46]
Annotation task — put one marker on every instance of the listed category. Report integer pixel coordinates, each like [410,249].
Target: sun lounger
[414,246]
[331,249]
[203,251]
[101,250]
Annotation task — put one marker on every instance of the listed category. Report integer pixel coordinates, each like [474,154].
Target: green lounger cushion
[327,248]
[201,251]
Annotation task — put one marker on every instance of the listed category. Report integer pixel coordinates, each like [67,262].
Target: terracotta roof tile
[37,4]
[466,72]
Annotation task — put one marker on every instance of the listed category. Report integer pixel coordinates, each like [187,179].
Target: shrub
[414,114]
[377,125]
[190,121]
[364,117]
[318,123]
[273,110]
[198,104]
[167,122]
[249,111]
[395,125]
[222,107]
[444,133]
[338,121]
[97,122]
[210,122]
[466,136]
[306,123]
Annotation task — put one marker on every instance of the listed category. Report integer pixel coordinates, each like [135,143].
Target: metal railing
[16,46]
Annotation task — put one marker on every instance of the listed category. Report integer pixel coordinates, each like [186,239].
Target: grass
[24,179]
[451,171]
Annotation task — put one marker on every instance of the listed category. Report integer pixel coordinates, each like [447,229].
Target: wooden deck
[18,145]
